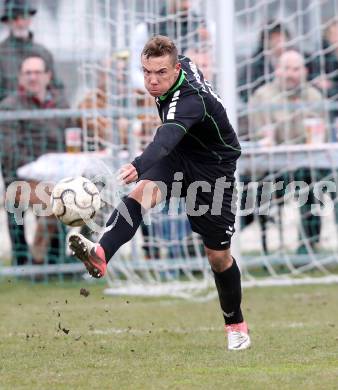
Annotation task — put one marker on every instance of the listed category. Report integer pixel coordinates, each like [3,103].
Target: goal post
[226,78]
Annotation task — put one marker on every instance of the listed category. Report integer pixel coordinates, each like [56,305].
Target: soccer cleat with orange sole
[92,255]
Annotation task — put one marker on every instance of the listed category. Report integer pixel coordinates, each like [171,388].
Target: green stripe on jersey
[177,124]
[175,86]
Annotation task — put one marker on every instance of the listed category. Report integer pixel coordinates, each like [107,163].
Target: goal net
[287,122]
[287,174]
[287,224]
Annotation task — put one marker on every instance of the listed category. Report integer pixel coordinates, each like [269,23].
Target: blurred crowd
[282,92]
[290,98]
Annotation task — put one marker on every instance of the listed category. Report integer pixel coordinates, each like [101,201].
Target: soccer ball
[75,201]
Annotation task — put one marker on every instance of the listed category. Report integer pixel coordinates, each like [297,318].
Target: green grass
[134,343]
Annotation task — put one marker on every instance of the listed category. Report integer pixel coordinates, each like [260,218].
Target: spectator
[285,125]
[273,41]
[282,125]
[203,58]
[98,129]
[23,141]
[327,76]
[19,44]
[328,80]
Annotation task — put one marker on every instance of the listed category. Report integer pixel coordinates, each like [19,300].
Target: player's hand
[127,174]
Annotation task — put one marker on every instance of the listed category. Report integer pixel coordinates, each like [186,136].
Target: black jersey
[194,123]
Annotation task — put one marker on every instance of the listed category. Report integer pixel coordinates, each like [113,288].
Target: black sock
[228,284]
[124,221]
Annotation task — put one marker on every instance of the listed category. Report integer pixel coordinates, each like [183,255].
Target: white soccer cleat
[238,336]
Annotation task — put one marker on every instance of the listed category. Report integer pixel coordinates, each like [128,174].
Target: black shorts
[209,190]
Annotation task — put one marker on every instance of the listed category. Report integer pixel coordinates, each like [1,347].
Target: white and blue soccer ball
[75,201]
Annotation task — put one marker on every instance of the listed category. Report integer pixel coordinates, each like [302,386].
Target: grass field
[54,338]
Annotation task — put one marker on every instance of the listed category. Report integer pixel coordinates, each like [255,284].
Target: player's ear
[48,76]
[178,67]
[278,71]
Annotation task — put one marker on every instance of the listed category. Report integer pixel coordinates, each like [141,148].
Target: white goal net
[287,120]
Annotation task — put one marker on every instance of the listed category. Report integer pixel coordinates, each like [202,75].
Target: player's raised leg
[120,228]
[228,284]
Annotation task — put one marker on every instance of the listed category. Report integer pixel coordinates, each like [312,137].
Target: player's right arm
[166,138]
[188,110]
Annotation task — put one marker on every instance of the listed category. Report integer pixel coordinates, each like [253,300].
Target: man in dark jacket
[23,141]
[18,45]
[273,41]
[326,65]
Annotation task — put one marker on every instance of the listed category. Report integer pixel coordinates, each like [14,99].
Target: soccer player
[195,151]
